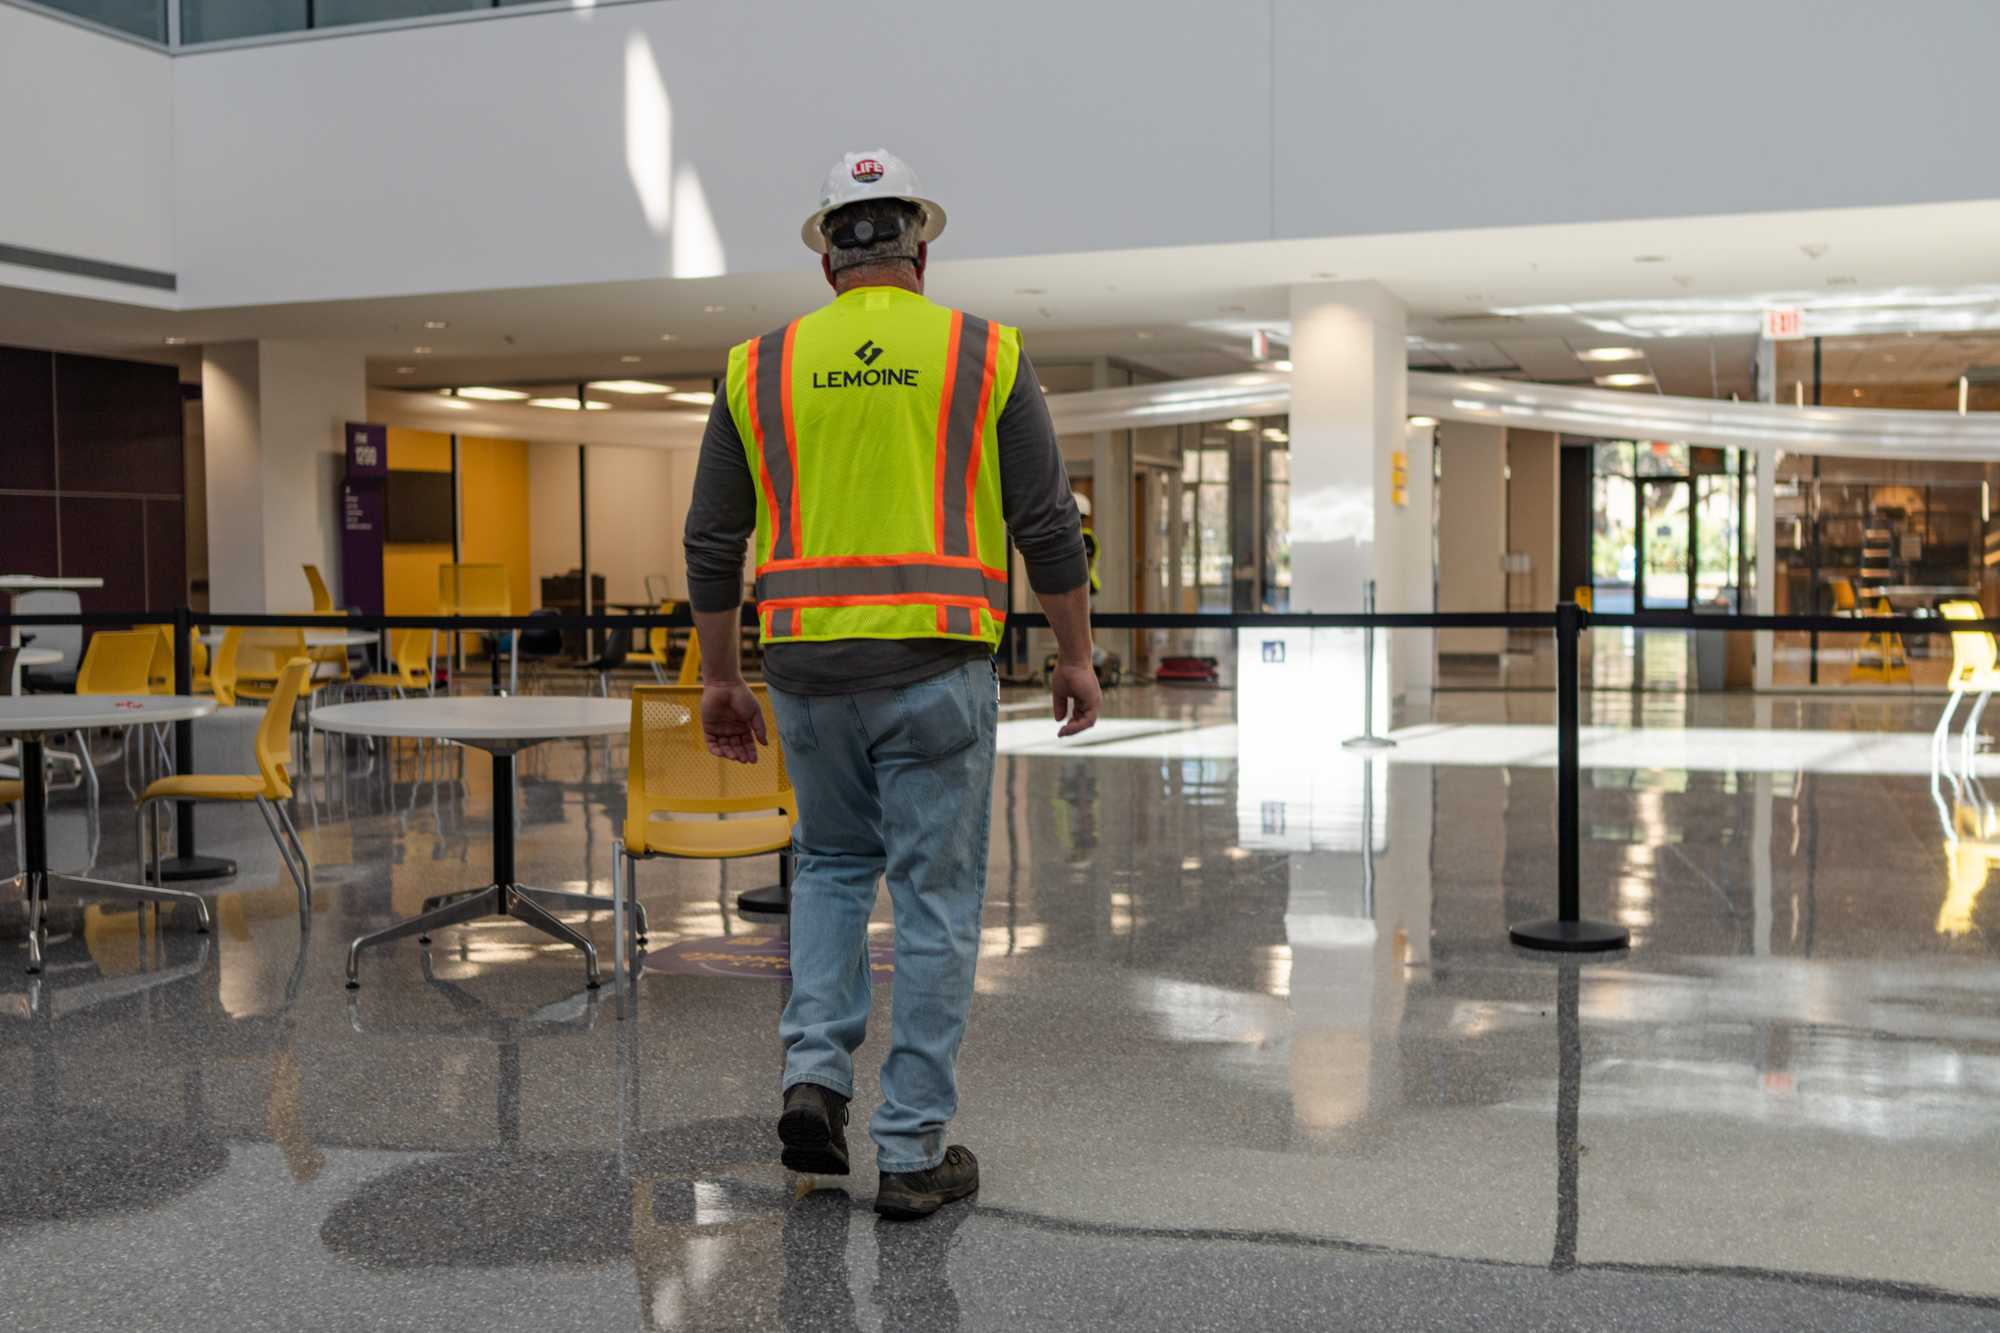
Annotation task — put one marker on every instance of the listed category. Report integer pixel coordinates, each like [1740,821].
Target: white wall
[618,143]
[272,416]
[86,159]
[638,502]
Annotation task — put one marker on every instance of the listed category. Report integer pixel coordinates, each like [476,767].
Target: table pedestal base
[53,885]
[177,868]
[527,905]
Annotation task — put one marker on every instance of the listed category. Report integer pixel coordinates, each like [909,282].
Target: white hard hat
[1082,502]
[875,174]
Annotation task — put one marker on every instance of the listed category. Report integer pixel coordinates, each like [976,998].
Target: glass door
[1664,573]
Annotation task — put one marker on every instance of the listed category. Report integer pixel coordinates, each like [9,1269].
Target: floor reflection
[1248,1044]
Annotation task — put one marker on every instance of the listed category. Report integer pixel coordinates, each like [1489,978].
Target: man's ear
[826,267]
[923,256]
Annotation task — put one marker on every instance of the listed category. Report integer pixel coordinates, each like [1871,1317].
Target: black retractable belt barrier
[1568,932]
[186,863]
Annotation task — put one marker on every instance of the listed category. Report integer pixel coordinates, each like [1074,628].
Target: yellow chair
[321,595]
[1880,657]
[691,662]
[160,678]
[672,773]
[268,788]
[659,645]
[1975,670]
[479,590]
[409,665]
[250,662]
[118,662]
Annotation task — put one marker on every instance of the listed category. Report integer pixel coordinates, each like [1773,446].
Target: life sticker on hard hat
[868,171]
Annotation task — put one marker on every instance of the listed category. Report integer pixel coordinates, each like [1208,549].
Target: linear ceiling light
[701,398]
[631,386]
[1625,379]
[568,404]
[1609,354]
[493,395]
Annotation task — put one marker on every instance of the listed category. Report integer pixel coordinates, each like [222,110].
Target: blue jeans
[894,783]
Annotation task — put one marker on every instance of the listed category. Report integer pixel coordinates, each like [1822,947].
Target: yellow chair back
[1973,652]
[274,733]
[161,676]
[118,662]
[1583,594]
[250,661]
[672,772]
[410,657]
[321,595]
[1843,595]
[691,663]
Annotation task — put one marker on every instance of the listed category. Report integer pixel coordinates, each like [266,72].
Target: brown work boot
[813,1129]
[905,1195]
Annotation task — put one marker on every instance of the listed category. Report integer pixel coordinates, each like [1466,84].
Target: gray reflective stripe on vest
[882,581]
[781,624]
[770,391]
[958,620]
[967,391]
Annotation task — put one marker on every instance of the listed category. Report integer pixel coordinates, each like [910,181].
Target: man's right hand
[732,722]
[1074,688]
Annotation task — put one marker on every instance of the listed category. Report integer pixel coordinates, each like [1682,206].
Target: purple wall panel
[28,534]
[106,539]
[27,421]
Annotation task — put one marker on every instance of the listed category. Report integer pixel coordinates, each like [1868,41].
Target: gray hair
[883,213]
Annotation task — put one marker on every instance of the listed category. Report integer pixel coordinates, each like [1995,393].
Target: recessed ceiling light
[175,342]
[1324,276]
[568,404]
[1031,291]
[700,398]
[437,324]
[1423,423]
[1143,333]
[455,404]
[631,386]
[1625,379]
[421,351]
[1843,282]
[713,309]
[406,370]
[628,360]
[1609,354]
[1275,435]
[1649,259]
[1239,424]
[492,395]
[667,337]
[1235,309]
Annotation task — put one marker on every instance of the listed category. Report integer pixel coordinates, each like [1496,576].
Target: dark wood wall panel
[91,476]
[166,554]
[118,426]
[28,534]
[106,539]
[27,420]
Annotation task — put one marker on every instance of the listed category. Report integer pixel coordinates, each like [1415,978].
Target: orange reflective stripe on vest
[770,397]
[968,384]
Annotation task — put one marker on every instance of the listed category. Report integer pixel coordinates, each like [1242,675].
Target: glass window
[220,20]
[1215,465]
[1658,458]
[141,18]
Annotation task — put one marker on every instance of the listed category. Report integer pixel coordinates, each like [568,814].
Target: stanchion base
[1369,743]
[179,868]
[1570,936]
[770,899]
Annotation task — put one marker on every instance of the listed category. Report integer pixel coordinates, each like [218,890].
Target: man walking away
[881,451]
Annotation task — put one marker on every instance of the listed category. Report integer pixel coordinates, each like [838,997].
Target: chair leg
[298,848]
[265,809]
[1968,739]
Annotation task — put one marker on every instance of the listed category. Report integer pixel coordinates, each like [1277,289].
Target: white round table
[503,726]
[32,720]
[316,638]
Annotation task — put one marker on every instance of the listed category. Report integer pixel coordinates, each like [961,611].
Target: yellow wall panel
[493,511]
[419,450]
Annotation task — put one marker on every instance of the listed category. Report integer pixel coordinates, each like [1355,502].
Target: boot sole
[910,1207]
[810,1148]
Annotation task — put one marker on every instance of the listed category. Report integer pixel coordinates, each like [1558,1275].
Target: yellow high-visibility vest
[872,432]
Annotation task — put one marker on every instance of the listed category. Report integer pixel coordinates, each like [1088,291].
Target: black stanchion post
[1568,933]
[185,864]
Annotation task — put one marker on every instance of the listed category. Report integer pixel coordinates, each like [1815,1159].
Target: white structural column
[1350,387]
[272,414]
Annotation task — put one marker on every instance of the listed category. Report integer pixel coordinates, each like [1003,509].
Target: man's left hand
[732,722]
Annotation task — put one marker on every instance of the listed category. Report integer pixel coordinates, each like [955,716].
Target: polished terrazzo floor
[1232,1064]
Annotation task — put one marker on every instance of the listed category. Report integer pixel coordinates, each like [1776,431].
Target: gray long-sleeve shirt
[1034,495]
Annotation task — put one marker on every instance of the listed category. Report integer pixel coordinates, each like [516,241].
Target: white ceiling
[1513,300]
